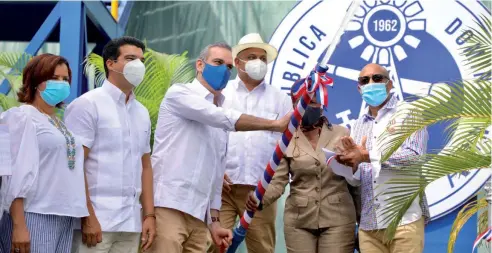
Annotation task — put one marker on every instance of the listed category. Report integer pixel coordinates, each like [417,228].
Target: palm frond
[11,66]
[463,216]
[410,181]
[162,70]
[466,104]
[483,221]
[477,49]
[14,61]
[7,102]
[94,65]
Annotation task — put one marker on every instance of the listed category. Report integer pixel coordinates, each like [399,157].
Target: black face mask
[311,116]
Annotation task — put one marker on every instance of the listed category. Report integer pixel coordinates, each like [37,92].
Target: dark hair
[39,69]
[111,51]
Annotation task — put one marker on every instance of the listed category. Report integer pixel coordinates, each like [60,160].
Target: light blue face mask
[374,93]
[55,92]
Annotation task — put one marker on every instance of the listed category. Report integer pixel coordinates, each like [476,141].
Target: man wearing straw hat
[249,152]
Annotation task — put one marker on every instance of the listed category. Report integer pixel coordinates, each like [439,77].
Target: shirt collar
[390,105]
[116,93]
[239,83]
[200,90]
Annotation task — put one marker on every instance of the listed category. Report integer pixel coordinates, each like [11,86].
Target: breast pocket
[143,140]
[265,141]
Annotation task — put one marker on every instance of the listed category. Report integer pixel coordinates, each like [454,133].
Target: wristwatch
[215,219]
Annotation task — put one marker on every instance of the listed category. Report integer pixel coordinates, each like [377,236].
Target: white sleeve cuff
[357,174]
[208,216]
[216,203]
[233,117]
[375,157]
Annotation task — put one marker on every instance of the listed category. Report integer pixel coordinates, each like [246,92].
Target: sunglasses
[363,80]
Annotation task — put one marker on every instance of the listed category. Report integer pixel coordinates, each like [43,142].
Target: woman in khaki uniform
[319,214]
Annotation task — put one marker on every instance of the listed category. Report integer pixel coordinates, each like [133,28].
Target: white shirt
[189,150]
[5,156]
[118,135]
[249,152]
[40,172]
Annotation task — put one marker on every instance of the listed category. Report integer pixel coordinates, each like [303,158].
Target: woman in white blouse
[45,193]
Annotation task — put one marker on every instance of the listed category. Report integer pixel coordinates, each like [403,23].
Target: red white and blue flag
[486,235]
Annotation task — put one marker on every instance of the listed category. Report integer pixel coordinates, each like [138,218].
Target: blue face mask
[55,92]
[374,93]
[216,76]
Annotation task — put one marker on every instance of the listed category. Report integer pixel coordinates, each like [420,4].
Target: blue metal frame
[123,20]
[71,16]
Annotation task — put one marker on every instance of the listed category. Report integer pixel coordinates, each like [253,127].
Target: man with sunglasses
[360,151]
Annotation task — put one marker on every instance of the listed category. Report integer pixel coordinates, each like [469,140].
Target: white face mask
[134,72]
[256,69]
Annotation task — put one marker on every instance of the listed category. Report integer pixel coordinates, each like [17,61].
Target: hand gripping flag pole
[315,83]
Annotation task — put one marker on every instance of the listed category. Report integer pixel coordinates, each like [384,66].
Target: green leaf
[94,64]
[466,104]
[410,181]
[7,102]
[11,67]
[477,49]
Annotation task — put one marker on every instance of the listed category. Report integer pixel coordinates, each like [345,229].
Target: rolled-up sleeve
[79,118]
[24,154]
[184,103]
[147,143]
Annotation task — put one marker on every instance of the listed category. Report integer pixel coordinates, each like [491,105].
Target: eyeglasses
[363,80]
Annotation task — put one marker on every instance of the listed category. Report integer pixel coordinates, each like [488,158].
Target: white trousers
[112,242]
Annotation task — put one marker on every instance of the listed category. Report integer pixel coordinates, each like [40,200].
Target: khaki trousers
[112,242]
[179,232]
[338,239]
[261,232]
[408,239]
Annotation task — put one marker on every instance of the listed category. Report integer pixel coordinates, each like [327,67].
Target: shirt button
[374,181]
[316,202]
[317,189]
[318,176]
[317,163]
[375,122]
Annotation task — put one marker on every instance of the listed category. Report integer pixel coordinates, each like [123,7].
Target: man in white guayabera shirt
[189,155]
[249,152]
[115,131]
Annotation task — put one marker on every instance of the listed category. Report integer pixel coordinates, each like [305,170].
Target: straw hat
[254,40]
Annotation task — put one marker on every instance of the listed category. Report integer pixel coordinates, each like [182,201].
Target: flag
[486,235]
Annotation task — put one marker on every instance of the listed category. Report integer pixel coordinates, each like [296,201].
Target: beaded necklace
[70,140]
